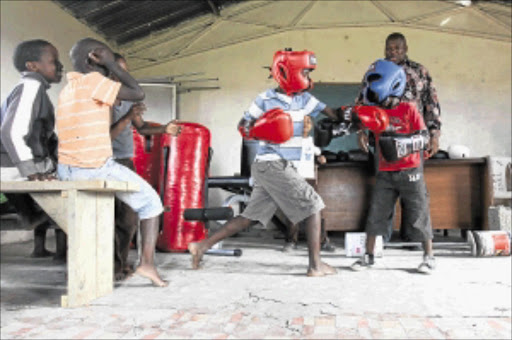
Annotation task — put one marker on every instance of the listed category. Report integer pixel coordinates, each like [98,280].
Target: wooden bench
[84,210]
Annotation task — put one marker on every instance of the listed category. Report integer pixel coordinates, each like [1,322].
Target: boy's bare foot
[119,276]
[197,254]
[327,270]
[128,271]
[314,273]
[150,272]
[324,269]
[41,253]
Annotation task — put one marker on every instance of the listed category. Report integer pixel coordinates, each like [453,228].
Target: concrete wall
[25,20]
[472,75]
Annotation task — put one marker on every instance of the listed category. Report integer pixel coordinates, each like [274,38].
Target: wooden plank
[104,243]
[55,205]
[92,185]
[82,217]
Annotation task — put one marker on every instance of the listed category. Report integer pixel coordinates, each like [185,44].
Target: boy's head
[384,84]
[38,56]
[81,60]
[291,70]
[396,48]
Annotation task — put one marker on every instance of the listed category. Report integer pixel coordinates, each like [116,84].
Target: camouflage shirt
[421,90]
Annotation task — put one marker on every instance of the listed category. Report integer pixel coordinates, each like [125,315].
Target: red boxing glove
[372,118]
[274,126]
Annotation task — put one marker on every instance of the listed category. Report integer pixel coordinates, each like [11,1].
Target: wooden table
[460,194]
[85,211]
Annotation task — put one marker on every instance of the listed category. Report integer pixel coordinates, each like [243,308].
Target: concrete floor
[265,294]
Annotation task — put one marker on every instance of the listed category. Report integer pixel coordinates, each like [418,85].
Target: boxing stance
[399,152]
[276,118]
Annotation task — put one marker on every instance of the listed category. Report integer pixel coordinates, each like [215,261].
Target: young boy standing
[85,147]
[126,115]
[400,164]
[277,182]
[28,147]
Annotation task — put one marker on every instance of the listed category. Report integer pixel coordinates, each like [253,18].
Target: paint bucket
[492,243]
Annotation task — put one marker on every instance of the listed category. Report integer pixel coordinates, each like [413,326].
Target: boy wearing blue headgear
[399,152]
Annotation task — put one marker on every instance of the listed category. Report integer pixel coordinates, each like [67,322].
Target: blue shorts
[145,202]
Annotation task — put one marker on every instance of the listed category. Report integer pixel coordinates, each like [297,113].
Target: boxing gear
[350,119]
[288,70]
[274,126]
[394,147]
[383,79]
[327,129]
[458,151]
[370,117]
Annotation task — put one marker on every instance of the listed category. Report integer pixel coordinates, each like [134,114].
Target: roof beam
[387,13]
[214,8]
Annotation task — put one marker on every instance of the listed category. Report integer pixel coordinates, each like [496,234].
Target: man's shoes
[365,262]
[289,246]
[327,246]
[428,265]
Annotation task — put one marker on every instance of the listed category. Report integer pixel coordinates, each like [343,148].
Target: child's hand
[172,128]
[321,159]
[137,109]
[42,177]
[363,141]
[102,56]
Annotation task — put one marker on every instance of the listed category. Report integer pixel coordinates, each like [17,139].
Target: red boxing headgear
[287,70]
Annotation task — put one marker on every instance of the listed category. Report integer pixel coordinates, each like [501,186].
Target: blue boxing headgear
[383,79]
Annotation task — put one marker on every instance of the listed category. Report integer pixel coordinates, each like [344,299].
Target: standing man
[419,89]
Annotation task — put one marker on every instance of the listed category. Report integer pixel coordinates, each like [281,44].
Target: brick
[297,321]
[84,334]
[325,321]
[153,335]
[237,317]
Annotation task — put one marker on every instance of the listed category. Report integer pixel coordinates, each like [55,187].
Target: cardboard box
[355,245]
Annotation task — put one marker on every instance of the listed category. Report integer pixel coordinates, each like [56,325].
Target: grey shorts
[410,186]
[278,184]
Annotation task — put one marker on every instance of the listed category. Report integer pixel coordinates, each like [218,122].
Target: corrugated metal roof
[123,21]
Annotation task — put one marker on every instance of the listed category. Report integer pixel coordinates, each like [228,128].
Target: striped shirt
[83,119]
[297,106]
[27,122]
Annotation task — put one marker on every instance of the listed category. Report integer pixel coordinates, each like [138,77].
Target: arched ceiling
[152,32]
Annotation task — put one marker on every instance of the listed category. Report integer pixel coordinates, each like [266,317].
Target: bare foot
[324,269]
[128,271]
[119,276]
[314,273]
[327,270]
[150,272]
[41,253]
[197,254]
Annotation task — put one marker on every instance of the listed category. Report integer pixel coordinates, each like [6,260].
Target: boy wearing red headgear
[276,118]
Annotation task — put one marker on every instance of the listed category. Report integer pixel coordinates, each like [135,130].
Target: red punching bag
[183,175]
[147,156]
